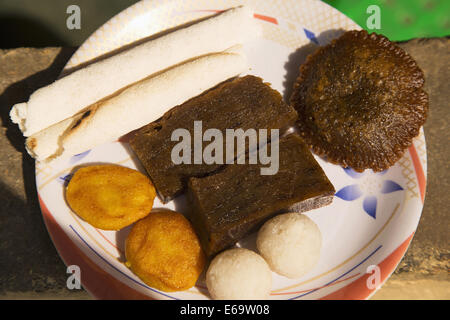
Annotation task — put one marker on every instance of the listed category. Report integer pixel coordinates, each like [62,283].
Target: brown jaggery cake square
[243,103]
[228,205]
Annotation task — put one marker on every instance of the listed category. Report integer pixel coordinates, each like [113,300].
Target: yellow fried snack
[164,251]
[110,197]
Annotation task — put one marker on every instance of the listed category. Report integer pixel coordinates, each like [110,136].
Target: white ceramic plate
[366,230]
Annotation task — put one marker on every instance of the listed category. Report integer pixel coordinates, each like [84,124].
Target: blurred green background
[40,23]
[401,19]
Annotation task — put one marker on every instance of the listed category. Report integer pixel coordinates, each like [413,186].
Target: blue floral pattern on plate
[311,36]
[64,180]
[74,159]
[354,191]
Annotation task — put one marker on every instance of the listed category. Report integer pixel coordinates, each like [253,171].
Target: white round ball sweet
[239,274]
[290,243]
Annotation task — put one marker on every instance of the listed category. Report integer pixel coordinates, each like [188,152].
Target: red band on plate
[358,289]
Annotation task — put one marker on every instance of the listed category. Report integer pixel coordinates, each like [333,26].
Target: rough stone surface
[411,286]
[429,252]
[29,262]
[30,267]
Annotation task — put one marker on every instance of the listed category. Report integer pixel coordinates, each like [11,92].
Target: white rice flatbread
[76,91]
[134,107]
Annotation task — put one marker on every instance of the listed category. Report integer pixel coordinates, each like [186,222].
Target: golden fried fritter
[110,197]
[164,251]
[360,101]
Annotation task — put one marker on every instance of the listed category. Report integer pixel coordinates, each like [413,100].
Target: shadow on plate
[298,57]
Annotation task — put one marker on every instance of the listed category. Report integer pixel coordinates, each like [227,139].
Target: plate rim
[57,236]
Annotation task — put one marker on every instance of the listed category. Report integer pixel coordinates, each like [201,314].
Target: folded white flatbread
[135,106]
[72,93]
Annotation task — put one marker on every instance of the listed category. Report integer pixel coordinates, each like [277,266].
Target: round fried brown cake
[360,101]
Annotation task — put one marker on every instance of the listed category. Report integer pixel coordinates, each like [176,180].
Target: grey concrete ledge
[30,267]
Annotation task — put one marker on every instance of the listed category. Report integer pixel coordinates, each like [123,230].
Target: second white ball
[290,243]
